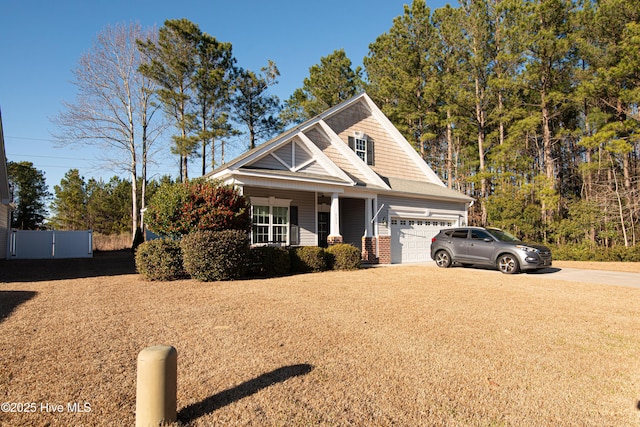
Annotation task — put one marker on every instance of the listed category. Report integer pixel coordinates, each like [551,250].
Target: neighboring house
[5,198]
[347,175]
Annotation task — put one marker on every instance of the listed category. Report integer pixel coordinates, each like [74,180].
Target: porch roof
[424,189]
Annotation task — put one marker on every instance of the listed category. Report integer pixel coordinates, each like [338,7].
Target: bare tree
[113,108]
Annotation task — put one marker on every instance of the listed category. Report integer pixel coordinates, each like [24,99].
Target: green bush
[307,259]
[269,261]
[587,252]
[160,260]
[177,209]
[215,255]
[344,256]
[582,252]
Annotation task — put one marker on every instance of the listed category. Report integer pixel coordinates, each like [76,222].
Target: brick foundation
[384,249]
[369,250]
[334,240]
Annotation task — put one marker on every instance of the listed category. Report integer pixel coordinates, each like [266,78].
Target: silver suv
[488,246]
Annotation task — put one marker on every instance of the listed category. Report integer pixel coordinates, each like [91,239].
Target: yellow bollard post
[157,385]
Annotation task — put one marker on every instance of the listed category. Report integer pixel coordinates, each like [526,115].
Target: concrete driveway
[614,278]
[602,277]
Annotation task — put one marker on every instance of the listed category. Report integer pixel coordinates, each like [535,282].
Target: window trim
[366,151]
[271,203]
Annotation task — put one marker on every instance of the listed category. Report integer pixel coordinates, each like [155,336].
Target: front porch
[302,218]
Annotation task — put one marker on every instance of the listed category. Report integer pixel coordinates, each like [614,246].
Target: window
[479,235]
[461,234]
[270,221]
[363,147]
[280,224]
[260,229]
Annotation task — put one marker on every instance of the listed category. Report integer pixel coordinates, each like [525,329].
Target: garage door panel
[411,239]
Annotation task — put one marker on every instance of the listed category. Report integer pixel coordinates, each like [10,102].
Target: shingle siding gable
[322,142]
[390,159]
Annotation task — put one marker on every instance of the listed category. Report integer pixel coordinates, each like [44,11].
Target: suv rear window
[461,234]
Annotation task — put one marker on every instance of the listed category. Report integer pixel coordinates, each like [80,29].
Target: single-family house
[5,198]
[345,176]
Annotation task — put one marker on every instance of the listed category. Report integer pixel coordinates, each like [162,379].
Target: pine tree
[329,83]
[29,192]
[69,205]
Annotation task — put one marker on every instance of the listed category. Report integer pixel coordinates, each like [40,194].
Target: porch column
[368,240]
[334,225]
[368,214]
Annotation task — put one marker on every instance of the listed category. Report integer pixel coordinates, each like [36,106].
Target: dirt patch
[387,346]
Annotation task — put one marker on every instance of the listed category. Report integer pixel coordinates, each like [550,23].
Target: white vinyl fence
[27,244]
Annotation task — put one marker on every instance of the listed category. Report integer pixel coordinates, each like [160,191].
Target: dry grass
[402,346]
[629,267]
[111,242]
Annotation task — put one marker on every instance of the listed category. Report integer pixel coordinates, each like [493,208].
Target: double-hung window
[270,221]
[363,147]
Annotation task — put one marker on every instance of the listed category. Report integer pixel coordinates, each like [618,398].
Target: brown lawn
[402,346]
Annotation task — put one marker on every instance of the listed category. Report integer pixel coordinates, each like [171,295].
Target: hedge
[215,255]
[160,260]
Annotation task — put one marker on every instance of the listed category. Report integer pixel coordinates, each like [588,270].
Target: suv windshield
[503,236]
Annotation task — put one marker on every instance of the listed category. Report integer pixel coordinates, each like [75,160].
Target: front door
[323,229]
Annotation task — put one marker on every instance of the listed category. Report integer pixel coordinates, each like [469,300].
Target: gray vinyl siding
[304,200]
[269,162]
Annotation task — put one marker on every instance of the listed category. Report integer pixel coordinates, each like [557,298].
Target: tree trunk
[480,118]
[449,166]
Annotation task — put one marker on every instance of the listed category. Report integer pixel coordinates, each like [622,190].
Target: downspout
[376,230]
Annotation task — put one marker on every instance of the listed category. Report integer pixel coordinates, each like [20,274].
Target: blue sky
[41,42]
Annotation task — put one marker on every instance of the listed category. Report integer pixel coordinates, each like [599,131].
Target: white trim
[402,142]
[275,156]
[266,174]
[357,150]
[352,157]
[272,202]
[323,160]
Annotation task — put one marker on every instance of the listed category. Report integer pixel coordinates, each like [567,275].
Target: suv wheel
[508,264]
[443,260]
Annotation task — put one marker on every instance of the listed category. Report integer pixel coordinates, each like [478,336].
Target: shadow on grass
[546,270]
[10,300]
[107,263]
[247,388]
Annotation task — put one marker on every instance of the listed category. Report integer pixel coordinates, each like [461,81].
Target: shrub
[215,255]
[344,256]
[177,209]
[269,261]
[587,252]
[306,259]
[160,260]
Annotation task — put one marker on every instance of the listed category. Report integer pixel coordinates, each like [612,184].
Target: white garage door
[411,239]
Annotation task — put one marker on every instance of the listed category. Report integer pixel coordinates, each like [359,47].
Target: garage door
[411,239]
